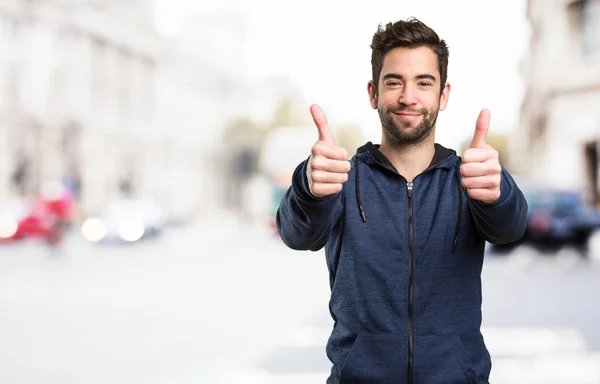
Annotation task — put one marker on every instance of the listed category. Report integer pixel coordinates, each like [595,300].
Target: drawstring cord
[460,202]
[360,207]
[460,206]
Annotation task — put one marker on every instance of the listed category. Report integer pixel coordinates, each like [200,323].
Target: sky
[324,47]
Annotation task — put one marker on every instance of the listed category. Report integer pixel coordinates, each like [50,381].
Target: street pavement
[223,302]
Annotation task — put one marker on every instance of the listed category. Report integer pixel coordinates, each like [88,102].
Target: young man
[404,226]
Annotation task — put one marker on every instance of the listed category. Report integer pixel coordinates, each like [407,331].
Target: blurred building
[244,105]
[557,142]
[79,109]
[92,95]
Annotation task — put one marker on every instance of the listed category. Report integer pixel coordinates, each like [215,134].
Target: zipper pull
[409,185]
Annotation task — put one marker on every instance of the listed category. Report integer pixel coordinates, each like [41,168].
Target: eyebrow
[400,77]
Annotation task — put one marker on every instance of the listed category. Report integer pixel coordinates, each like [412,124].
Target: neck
[409,159]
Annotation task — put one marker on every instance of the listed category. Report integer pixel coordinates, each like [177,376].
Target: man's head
[410,65]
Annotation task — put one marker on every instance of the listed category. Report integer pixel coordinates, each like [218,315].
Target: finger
[479,155]
[329,165]
[487,182]
[325,189]
[320,176]
[485,195]
[481,128]
[322,125]
[329,151]
[480,169]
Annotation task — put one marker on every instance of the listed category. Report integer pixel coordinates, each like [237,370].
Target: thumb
[322,125]
[481,129]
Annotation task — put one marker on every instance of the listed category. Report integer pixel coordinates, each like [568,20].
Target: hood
[443,158]
[369,153]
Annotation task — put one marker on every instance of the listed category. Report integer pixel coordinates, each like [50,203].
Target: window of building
[590,28]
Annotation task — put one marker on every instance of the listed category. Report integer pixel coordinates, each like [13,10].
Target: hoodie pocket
[376,358]
[442,359]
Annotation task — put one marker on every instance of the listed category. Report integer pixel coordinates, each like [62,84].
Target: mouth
[407,116]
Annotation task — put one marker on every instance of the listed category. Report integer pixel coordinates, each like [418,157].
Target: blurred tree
[242,139]
[242,132]
[290,111]
[348,137]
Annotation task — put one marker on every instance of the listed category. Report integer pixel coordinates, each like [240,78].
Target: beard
[405,132]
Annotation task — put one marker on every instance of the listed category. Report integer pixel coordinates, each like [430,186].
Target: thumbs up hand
[481,170]
[328,165]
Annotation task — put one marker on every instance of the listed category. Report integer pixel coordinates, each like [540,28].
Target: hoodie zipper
[409,190]
[409,186]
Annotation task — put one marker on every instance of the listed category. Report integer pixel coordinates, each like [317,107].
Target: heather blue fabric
[368,262]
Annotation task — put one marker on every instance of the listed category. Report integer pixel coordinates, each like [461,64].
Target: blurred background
[145,146]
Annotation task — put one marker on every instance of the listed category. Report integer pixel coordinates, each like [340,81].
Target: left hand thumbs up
[481,170]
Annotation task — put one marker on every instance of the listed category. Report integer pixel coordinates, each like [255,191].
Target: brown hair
[410,33]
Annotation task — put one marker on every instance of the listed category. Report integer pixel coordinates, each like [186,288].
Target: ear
[444,97]
[372,94]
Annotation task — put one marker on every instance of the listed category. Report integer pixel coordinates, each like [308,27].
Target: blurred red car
[43,217]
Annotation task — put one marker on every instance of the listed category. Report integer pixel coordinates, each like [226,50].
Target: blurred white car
[125,221]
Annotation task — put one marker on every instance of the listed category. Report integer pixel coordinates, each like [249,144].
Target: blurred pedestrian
[404,225]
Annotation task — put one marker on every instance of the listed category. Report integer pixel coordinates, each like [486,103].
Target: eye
[425,84]
[392,83]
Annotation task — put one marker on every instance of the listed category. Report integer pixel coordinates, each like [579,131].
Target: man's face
[408,99]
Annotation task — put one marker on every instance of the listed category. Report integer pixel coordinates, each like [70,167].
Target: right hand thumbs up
[328,165]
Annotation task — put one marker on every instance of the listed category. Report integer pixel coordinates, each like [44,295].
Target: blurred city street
[164,132]
[223,301]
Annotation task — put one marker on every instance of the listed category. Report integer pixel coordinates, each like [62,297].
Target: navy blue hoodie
[405,263]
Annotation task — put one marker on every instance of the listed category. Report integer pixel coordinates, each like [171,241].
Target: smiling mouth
[407,112]
[407,115]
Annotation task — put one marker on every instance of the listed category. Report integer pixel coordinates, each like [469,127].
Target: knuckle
[343,153]
[316,175]
[318,148]
[315,149]
[347,167]
[467,170]
[318,162]
[319,194]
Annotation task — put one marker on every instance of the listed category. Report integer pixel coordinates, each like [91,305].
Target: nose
[408,95]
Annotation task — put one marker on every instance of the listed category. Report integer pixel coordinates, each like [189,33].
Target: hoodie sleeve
[304,221]
[505,220]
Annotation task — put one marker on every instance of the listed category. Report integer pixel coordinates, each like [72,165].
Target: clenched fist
[328,165]
[481,169]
